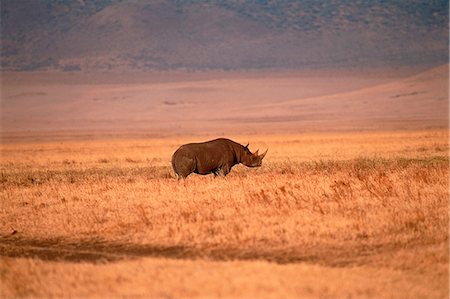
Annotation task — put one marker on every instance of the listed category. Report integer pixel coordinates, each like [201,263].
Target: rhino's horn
[247,144]
[256,153]
[263,154]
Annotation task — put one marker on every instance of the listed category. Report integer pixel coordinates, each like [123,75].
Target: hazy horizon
[249,67]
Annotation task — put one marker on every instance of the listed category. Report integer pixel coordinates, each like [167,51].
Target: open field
[327,215]
[180,104]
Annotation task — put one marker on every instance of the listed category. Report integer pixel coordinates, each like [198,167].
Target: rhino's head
[252,159]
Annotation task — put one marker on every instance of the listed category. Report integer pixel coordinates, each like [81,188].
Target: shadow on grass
[58,249]
[99,251]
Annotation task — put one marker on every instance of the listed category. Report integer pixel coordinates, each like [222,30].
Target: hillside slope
[227,103]
[420,100]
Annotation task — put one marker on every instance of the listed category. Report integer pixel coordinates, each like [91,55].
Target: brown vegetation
[327,215]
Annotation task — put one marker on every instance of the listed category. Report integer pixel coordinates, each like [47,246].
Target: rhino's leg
[223,171]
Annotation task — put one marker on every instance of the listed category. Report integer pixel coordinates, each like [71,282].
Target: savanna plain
[327,215]
[351,200]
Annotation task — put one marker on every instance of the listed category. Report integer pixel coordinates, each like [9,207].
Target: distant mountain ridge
[221,35]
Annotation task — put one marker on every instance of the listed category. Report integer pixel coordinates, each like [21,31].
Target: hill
[222,35]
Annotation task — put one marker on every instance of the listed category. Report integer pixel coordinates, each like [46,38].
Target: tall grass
[305,204]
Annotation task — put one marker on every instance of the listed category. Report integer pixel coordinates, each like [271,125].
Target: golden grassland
[327,215]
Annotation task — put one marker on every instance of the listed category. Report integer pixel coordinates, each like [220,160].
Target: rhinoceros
[216,156]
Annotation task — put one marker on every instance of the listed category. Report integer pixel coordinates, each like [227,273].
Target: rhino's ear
[247,145]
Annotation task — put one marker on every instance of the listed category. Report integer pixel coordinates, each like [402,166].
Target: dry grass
[328,215]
